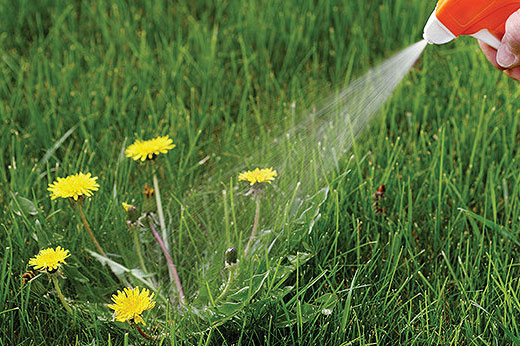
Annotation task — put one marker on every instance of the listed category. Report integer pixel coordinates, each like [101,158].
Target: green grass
[79,81]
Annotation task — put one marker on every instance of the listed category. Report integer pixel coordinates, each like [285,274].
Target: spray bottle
[483,19]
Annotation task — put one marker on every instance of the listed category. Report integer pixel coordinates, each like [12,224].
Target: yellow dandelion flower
[148,150]
[258,176]
[130,304]
[127,206]
[132,213]
[50,259]
[73,186]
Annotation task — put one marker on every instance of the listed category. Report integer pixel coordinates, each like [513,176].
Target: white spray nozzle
[435,32]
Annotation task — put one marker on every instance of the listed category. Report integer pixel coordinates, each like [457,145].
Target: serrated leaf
[119,270]
[283,271]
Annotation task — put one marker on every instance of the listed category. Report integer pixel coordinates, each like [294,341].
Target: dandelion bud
[149,204]
[132,214]
[148,191]
[230,256]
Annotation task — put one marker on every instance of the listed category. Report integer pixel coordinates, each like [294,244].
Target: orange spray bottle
[483,19]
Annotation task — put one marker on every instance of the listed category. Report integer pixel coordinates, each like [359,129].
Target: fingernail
[504,57]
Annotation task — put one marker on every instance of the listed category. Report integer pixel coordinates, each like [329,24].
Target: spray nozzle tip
[435,32]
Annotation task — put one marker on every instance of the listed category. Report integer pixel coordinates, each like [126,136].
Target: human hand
[507,58]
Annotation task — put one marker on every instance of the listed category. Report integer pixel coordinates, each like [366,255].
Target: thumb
[508,55]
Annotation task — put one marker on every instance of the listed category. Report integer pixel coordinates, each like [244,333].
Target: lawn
[432,260]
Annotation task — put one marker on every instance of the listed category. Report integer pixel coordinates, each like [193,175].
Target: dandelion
[130,303]
[230,259]
[74,186]
[148,191]
[127,206]
[132,214]
[148,150]
[256,176]
[49,261]
[149,200]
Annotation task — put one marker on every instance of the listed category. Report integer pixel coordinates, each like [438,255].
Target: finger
[490,53]
[508,55]
[513,73]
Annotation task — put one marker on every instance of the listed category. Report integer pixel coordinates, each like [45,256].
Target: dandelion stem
[171,266]
[255,223]
[160,211]
[60,294]
[146,336]
[89,230]
[160,214]
[138,248]
[228,284]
